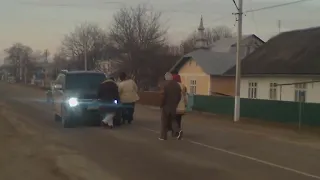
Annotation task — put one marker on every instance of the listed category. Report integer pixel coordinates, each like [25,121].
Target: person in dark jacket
[108,94]
[170,95]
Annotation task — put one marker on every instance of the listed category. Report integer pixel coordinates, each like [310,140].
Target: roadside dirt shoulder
[26,153]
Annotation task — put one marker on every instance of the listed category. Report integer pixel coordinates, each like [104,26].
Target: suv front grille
[88,96]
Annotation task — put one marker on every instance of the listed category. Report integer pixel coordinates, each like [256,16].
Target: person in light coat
[181,109]
[128,91]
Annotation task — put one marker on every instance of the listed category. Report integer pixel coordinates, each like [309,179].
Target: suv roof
[83,72]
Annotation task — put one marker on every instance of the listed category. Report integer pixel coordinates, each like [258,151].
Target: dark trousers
[168,121]
[179,119]
[128,111]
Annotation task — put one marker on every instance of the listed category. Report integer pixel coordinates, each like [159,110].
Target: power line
[234,2]
[102,6]
[70,5]
[276,6]
[253,19]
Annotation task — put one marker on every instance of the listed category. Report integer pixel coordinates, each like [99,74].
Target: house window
[193,86]
[273,91]
[300,92]
[252,91]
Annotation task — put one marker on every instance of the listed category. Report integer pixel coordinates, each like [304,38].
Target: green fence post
[190,102]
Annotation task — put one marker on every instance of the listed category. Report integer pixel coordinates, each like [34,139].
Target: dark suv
[74,97]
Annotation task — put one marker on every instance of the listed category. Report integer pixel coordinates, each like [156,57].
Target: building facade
[283,88]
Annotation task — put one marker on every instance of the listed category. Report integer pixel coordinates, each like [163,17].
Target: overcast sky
[41,24]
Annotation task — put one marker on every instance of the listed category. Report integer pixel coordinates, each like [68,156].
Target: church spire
[201,27]
[201,41]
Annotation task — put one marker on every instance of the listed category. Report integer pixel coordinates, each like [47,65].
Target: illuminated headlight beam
[73,102]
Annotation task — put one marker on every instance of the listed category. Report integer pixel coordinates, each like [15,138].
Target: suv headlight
[115,101]
[73,102]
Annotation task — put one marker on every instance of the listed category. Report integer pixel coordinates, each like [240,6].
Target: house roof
[294,52]
[224,44]
[213,63]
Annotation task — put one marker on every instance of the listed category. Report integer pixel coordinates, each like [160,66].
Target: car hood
[82,94]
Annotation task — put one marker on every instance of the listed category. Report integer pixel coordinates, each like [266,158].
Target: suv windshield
[84,80]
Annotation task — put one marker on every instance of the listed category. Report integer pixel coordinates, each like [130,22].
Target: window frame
[300,88]
[193,86]
[252,90]
[273,94]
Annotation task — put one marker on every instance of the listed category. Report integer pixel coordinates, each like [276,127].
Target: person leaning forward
[108,93]
[171,95]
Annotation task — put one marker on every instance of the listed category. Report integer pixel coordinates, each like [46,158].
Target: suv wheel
[57,117]
[67,121]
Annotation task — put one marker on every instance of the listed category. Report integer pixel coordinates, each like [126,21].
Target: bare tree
[211,35]
[139,40]
[60,62]
[86,40]
[19,58]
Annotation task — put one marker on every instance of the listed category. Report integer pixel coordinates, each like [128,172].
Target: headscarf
[168,76]
[176,77]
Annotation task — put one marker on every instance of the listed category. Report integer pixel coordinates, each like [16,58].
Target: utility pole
[46,55]
[238,64]
[25,63]
[85,57]
[20,66]
[279,26]
[45,82]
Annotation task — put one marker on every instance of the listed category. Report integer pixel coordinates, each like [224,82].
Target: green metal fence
[277,111]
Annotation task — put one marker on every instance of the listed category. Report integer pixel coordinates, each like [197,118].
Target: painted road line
[243,156]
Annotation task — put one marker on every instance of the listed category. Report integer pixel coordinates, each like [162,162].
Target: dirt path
[29,154]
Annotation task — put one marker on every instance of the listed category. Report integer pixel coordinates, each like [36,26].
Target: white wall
[288,92]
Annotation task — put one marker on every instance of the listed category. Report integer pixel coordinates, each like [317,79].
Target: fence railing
[274,111]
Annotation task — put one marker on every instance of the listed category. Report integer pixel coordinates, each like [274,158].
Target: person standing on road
[129,96]
[181,109]
[108,93]
[171,95]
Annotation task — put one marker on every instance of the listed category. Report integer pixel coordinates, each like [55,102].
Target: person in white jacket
[128,92]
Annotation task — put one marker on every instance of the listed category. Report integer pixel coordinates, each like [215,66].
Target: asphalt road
[37,147]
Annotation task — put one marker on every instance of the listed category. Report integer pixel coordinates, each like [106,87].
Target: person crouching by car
[128,96]
[108,94]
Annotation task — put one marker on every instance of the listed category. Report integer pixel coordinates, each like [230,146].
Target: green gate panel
[276,111]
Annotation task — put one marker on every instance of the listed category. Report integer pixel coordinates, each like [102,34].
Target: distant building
[285,68]
[203,70]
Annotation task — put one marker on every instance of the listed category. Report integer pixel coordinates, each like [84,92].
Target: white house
[285,68]
[284,88]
